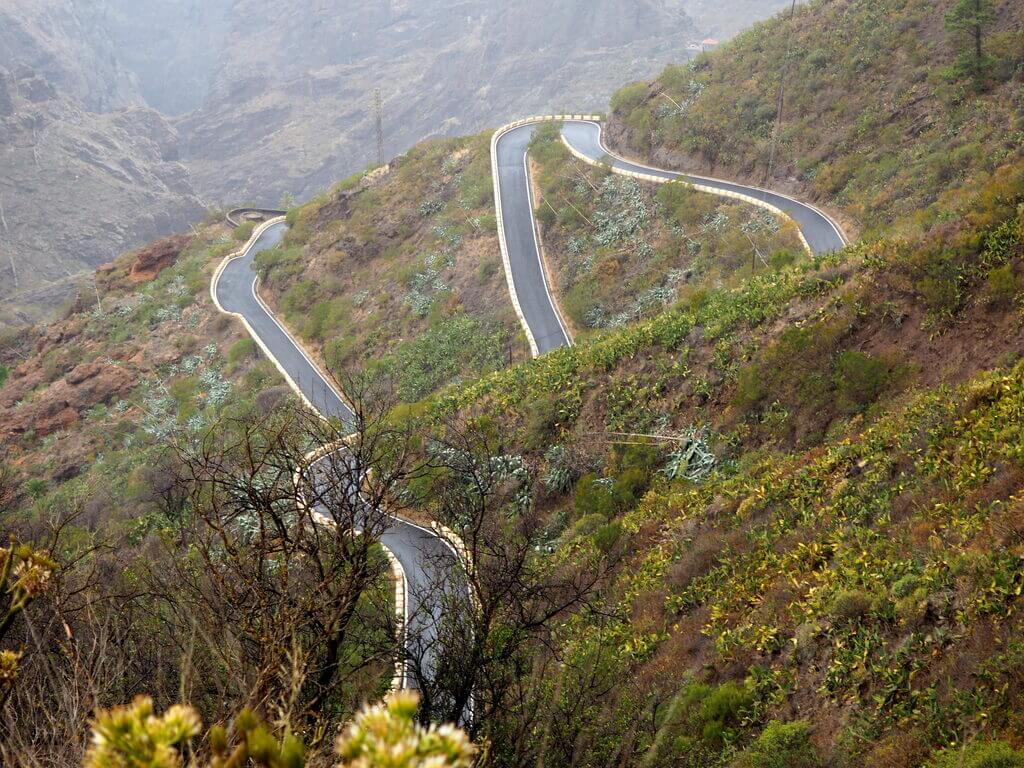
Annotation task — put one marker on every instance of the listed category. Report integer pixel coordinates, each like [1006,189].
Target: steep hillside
[66,45]
[292,104]
[619,250]
[270,98]
[877,118]
[813,485]
[77,187]
[769,516]
[88,169]
[398,273]
[100,380]
[103,416]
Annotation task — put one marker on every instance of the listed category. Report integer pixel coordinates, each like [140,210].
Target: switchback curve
[525,274]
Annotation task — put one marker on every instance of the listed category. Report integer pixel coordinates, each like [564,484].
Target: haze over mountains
[122,119]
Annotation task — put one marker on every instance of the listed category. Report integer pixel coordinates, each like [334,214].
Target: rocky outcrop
[276,97]
[61,405]
[290,107]
[156,257]
[6,96]
[79,188]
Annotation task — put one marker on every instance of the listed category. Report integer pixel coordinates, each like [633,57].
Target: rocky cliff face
[68,47]
[724,18]
[290,108]
[87,169]
[77,188]
[273,96]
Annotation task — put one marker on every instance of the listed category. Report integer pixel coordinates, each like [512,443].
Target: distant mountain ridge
[234,101]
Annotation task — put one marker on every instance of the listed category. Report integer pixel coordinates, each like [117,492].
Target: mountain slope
[292,103]
[78,187]
[269,98]
[875,120]
[820,553]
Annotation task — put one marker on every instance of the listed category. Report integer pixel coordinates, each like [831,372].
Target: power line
[378,108]
[780,104]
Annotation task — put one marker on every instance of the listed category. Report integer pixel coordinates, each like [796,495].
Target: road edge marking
[215,282]
[552,300]
[502,242]
[445,535]
[684,178]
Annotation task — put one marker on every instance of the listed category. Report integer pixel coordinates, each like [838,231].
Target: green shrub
[1001,287]
[722,709]
[241,350]
[850,605]
[699,722]
[184,389]
[546,146]
[4,373]
[630,485]
[36,488]
[488,268]
[645,457]
[940,287]
[751,389]
[782,259]
[546,216]
[780,745]
[627,99]
[678,199]
[990,754]
[606,536]
[594,498]
[586,526]
[244,232]
[540,422]
[299,297]
[860,379]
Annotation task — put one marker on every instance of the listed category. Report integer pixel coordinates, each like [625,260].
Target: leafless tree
[287,588]
[493,637]
[256,580]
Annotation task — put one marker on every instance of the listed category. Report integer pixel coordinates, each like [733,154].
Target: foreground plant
[381,736]
[25,574]
[387,736]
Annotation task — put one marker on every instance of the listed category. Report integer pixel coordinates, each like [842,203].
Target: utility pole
[778,108]
[378,107]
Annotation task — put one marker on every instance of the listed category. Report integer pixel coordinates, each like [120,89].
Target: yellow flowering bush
[388,736]
[25,574]
[381,736]
[133,737]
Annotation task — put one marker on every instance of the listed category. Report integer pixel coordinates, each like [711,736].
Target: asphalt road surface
[429,562]
[517,209]
[520,237]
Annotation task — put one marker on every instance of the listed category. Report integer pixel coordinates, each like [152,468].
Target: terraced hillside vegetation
[810,486]
[881,114]
[771,516]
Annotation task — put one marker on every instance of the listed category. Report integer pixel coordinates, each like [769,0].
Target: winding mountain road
[524,270]
[427,558]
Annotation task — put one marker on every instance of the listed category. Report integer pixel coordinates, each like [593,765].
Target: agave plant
[693,461]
